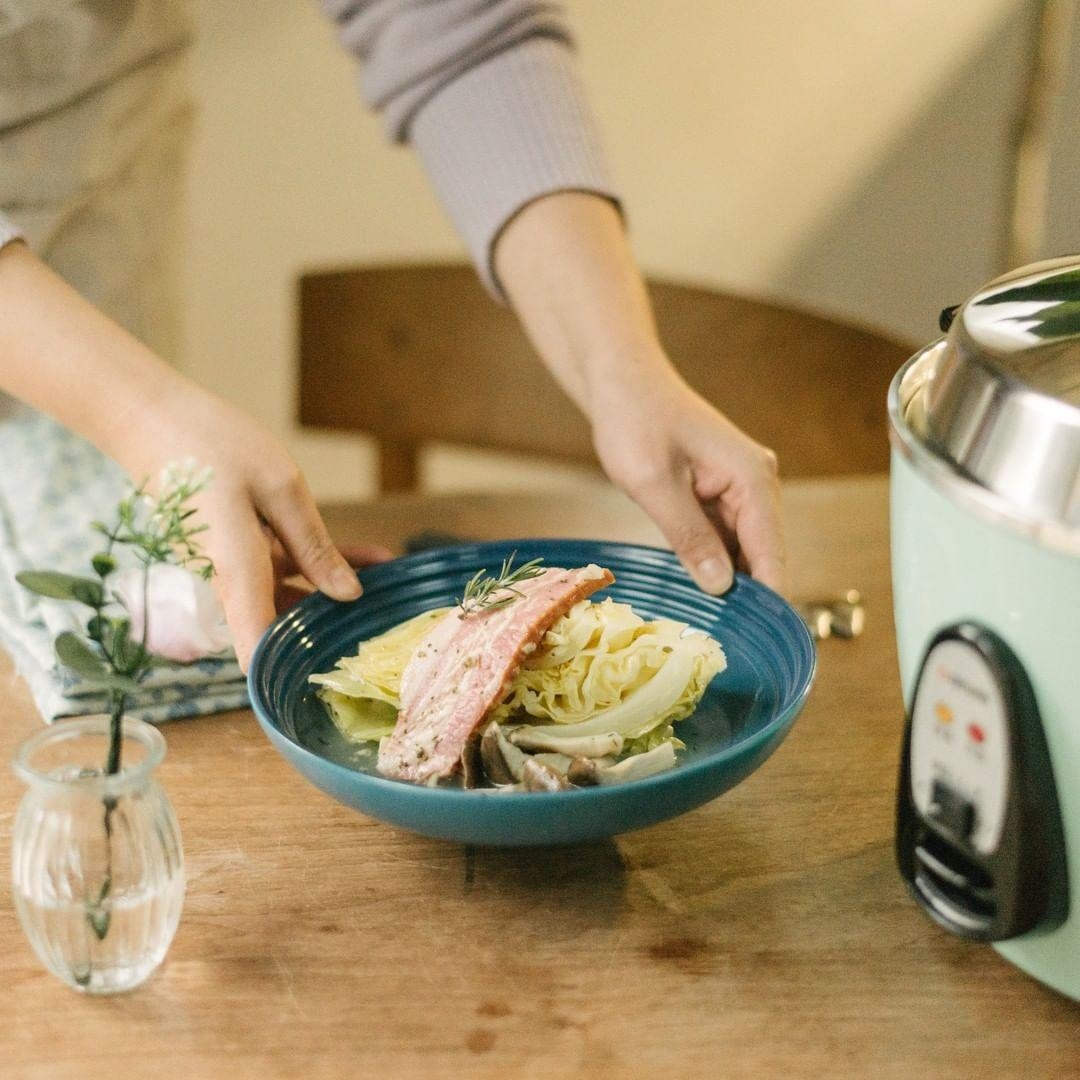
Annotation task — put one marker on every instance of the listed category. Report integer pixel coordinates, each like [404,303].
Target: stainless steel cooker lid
[997,401]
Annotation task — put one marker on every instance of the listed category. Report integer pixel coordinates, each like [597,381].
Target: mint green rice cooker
[985,494]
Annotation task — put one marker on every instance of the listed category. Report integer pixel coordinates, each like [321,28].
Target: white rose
[187,620]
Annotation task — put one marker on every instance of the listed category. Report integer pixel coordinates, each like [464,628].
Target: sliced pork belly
[463,668]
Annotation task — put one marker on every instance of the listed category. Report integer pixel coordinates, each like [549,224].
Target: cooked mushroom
[638,766]
[583,772]
[540,777]
[594,746]
[472,767]
[559,762]
[510,768]
[503,762]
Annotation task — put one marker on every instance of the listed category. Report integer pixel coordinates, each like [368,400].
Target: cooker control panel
[959,746]
[979,838]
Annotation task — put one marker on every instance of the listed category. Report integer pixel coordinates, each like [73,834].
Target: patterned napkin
[52,486]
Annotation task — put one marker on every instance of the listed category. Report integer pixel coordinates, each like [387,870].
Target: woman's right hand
[264,529]
[61,355]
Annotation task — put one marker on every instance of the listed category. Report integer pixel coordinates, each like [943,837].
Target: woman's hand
[66,358]
[712,490]
[290,583]
[265,536]
[568,270]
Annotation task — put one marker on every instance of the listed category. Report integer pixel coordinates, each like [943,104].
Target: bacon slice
[463,667]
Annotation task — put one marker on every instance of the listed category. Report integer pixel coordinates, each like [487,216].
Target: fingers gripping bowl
[741,719]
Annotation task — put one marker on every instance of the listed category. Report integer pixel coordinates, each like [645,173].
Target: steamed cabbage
[599,668]
[363,691]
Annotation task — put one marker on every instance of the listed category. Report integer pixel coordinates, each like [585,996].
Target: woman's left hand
[712,490]
[566,265]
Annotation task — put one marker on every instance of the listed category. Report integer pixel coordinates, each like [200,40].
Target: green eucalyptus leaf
[121,645]
[124,684]
[78,656]
[130,655]
[59,586]
[139,658]
[89,592]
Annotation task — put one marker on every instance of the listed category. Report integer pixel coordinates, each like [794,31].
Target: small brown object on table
[766,934]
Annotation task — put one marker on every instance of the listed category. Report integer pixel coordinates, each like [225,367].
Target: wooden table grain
[764,935]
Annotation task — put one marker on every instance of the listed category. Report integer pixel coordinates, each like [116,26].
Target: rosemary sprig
[480,592]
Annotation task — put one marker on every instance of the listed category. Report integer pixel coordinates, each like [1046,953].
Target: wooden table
[764,935]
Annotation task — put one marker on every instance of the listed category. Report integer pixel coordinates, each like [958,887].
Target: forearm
[566,266]
[565,263]
[489,97]
[61,355]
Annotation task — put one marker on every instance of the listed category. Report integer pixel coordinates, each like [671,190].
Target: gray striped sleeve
[489,96]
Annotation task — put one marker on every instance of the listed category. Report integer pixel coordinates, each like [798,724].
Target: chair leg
[399,466]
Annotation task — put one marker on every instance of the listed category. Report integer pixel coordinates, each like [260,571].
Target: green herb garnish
[480,592]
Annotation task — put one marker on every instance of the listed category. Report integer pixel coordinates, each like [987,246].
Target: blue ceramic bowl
[745,713]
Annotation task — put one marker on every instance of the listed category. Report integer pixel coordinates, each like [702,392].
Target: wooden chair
[411,354]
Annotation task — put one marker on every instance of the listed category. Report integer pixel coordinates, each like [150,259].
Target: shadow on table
[583,884]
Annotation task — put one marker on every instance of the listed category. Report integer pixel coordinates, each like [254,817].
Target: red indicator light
[976,733]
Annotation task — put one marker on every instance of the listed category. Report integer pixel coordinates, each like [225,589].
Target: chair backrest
[415,353]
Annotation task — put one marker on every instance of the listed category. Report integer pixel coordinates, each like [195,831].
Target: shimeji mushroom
[506,764]
[609,743]
[537,776]
[586,772]
[503,762]
[638,766]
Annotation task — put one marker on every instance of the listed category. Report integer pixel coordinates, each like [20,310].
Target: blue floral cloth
[53,484]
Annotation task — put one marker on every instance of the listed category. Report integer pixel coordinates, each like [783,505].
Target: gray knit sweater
[487,93]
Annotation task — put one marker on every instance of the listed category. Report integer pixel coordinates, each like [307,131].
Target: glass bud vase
[97,865]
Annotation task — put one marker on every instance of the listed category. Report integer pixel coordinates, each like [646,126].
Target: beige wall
[841,155]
